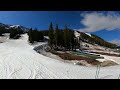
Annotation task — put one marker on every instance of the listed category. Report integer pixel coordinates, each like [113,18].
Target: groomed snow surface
[18,60]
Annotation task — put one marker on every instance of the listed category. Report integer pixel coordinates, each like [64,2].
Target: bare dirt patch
[68,56]
[79,60]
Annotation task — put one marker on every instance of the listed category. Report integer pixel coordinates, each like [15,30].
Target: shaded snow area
[18,60]
[4,38]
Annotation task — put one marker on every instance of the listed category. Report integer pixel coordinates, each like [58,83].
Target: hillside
[93,39]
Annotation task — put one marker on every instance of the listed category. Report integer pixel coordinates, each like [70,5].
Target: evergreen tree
[13,33]
[61,38]
[51,35]
[35,35]
[72,39]
[56,35]
[2,30]
[30,35]
[65,37]
[40,36]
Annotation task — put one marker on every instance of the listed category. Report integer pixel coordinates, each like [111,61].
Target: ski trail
[12,74]
[105,77]
[41,48]
[44,71]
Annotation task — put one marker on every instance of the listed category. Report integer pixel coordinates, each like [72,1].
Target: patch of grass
[88,55]
[69,56]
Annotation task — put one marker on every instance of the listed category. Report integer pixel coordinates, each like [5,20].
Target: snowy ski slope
[18,60]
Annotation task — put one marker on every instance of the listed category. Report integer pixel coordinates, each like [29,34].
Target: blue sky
[105,24]
[41,19]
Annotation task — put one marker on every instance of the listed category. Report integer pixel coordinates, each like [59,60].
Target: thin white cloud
[98,21]
[117,42]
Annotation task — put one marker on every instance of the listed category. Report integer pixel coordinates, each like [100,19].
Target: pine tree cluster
[62,39]
[3,30]
[15,33]
[35,35]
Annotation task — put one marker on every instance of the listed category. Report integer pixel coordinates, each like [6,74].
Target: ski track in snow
[18,60]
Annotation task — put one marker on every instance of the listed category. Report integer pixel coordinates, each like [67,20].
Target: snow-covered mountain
[19,27]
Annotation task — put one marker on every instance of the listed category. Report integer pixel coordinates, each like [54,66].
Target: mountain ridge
[9,26]
[93,39]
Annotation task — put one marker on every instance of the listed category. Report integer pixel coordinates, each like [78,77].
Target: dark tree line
[4,30]
[1,30]
[45,32]
[62,39]
[35,35]
[15,33]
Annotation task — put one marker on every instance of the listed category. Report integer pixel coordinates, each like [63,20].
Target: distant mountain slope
[112,36]
[93,39]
